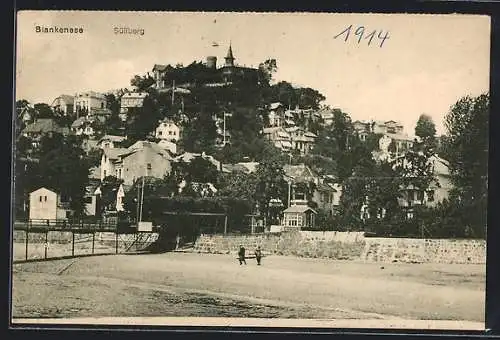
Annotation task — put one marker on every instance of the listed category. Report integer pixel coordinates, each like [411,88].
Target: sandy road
[175,284]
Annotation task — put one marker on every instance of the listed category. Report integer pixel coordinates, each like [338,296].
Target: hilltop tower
[229,58]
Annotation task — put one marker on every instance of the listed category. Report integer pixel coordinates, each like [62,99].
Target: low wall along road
[349,246]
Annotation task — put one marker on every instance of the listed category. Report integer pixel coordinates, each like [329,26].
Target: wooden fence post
[73,243]
[46,242]
[116,241]
[27,240]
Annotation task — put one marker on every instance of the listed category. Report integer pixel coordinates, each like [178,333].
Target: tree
[142,83]
[114,123]
[200,135]
[268,68]
[200,170]
[467,152]
[109,189]
[238,185]
[426,130]
[60,165]
[43,110]
[271,186]
[143,120]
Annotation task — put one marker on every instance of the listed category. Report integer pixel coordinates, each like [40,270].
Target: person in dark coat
[241,255]
[258,255]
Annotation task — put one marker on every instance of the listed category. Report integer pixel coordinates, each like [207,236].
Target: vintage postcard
[250,169]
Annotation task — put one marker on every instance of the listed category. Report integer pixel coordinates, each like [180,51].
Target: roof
[251,166]
[270,129]
[95,172]
[142,145]
[91,94]
[274,106]
[293,129]
[299,172]
[159,67]
[66,98]
[310,134]
[234,168]
[45,125]
[298,209]
[189,156]
[99,111]
[135,95]
[115,153]
[230,53]
[398,136]
[283,134]
[441,166]
[113,138]
[303,139]
[325,187]
[78,122]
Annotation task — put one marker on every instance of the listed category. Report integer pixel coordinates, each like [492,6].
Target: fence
[54,239]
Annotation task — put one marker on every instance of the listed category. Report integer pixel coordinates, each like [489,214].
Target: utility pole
[142,200]
[224,130]
[173,91]
[138,203]
[289,191]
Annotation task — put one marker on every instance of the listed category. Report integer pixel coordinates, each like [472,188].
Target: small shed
[46,204]
[299,216]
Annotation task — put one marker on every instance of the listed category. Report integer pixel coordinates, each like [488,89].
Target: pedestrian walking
[258,255]
[241,255]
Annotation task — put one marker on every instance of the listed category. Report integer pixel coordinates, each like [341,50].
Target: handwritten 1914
[360,33]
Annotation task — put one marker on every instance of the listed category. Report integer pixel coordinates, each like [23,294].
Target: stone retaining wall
[349,246]
[337,245]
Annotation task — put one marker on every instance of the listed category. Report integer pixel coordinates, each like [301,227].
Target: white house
[46,204]
[85,102]
[64,104]
[131,100]
[141,159]
[276,115]
[168,130]
[87,125]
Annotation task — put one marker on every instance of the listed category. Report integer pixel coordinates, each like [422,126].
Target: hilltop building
[208,74]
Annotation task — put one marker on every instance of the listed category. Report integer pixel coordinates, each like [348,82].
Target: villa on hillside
[141,159]
[64,104]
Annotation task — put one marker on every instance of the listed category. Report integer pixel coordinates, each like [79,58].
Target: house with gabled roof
[43,127]
[47,206]
[64,104]
[140,159]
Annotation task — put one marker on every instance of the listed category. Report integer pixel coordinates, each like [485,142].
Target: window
[45,198]
[40,198]
[292,222]
[88,200]
[420,196]
[430,195]
[102,105]
[159,133]
[170,133]
[105,173]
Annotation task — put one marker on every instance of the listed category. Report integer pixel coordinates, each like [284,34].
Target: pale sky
[425,66]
